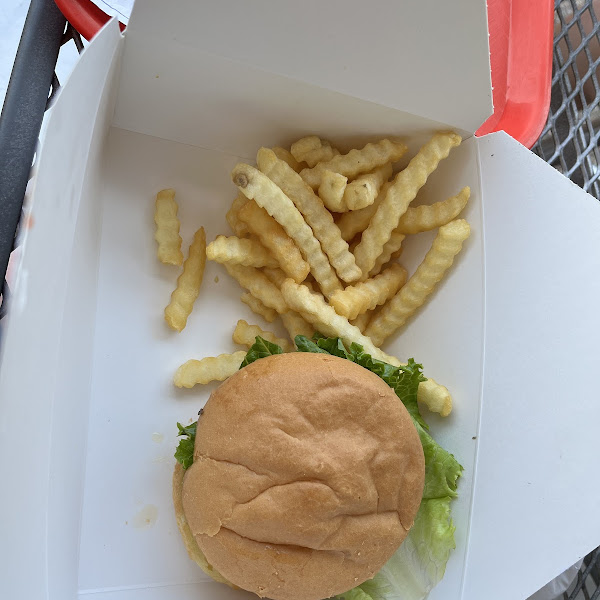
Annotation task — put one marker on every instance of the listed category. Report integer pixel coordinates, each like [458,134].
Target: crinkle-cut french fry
[356,221]
[397,254]
[356,161]
[401,193]
[211,368]
[313,150]
[275,276]
[257,307]
[391,250]
[286,157]
[431,216]
[188,283]
[435,397]
[362,321]
[366,295]
[245,334]
[392,315]
[257,283]
[316,215]
[237,225]
[331,190]
[364,189]
[296,325]
[273,237]
[327,321]
[167,228]
[244,251]
[265,193]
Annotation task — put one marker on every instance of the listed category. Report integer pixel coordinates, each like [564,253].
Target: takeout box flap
[47,339]
[426,58]
[535,509]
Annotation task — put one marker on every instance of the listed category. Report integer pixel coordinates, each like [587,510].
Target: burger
[303,476]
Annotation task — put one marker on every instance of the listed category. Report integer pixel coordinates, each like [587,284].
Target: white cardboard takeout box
[87,408]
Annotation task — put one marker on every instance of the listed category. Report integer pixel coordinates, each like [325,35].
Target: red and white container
[85,380]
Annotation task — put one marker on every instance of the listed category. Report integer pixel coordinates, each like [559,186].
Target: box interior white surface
[136,355]
[102,345]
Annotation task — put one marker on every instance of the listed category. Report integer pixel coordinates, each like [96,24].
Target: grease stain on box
[158,438]
[145,517]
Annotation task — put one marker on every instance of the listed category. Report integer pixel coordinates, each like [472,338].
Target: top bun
[308,473]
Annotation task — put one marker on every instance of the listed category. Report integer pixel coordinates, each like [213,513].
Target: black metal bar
[23,112]
[593,557]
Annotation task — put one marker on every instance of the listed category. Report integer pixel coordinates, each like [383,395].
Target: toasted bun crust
[307,475]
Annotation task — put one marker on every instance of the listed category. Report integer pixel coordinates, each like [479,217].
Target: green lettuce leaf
[354,594]
[260,349]
[185,449]
[419,564]
[442,470]
[305,345]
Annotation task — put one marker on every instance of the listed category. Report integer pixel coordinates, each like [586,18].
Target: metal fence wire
[569,140]
[587,584]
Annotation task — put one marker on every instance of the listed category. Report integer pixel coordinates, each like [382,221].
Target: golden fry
[435,397]
[273,237]
[401,193]
[331,190]
[367,295]
[362,321]
[263,191]
[313,150]
[237,226]
[167,228]
[364,189]
[356,221]
[188,283]
[316,215]
[327,321]
[411,296]
[286,157]
[247,252]
[296,325]
[391,250]
[428,217]
[208,369]
[257,307]
[258,285]
[245,334]
[276,276]
[356,161]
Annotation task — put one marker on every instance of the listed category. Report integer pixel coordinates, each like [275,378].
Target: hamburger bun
[308,473]
[184,529]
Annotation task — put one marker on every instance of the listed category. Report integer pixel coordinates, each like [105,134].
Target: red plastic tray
[521,38]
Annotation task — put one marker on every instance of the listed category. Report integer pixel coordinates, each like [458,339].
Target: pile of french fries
[317,238]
